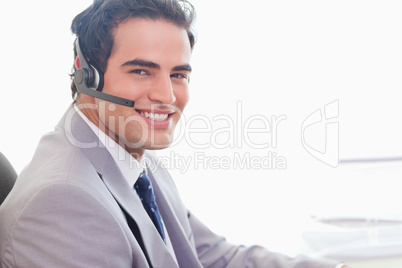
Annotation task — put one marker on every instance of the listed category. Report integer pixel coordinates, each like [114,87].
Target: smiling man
[149,63]
[89,198]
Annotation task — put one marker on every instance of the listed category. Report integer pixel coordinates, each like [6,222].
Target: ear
[77,63]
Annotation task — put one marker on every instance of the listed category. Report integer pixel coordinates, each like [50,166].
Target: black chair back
[7,177]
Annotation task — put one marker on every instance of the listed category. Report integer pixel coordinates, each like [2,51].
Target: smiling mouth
[154,116]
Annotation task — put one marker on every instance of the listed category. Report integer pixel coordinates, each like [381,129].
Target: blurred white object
[359,216]
[355,238]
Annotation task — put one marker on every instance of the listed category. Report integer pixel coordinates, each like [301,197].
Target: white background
[275,57]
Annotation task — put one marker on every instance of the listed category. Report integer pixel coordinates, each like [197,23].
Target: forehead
[157,40]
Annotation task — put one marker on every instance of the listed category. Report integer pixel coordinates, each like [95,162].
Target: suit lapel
[184,250]
[129,201]
[82,136]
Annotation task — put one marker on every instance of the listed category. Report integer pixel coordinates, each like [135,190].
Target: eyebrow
[185,67]
[153,65]
[142,63]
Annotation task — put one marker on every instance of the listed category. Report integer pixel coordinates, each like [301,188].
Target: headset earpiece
[86,73]
[89,77]
[83,75]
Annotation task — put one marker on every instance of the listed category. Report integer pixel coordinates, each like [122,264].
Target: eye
[179,75]
[139,71]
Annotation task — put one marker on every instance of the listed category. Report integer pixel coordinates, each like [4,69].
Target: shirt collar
[128,165]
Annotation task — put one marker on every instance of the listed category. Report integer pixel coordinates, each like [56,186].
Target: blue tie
[144,189]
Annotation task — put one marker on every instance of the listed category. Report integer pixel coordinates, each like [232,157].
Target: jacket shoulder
[63,225]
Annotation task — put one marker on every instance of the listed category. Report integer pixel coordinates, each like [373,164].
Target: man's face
[149,64]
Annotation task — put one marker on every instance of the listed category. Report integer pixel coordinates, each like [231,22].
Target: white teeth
[156,117]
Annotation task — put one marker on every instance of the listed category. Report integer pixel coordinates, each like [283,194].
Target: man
[81,201]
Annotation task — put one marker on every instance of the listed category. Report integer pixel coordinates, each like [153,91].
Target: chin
[158,143]
[158,146]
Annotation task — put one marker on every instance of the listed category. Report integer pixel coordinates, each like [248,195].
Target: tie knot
[144,189]
[143,181]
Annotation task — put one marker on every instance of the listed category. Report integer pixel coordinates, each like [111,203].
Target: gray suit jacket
[66,210]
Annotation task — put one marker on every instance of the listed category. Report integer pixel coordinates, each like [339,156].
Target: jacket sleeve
[214,252]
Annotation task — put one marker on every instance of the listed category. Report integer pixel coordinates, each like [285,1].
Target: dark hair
[94,26]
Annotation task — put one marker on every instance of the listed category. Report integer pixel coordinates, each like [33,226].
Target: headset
[89,80]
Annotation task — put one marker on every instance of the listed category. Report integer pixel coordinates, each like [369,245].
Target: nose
[163,91]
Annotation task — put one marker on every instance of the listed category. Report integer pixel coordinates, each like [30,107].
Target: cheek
[123,85]
[182,97]
[116,117]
